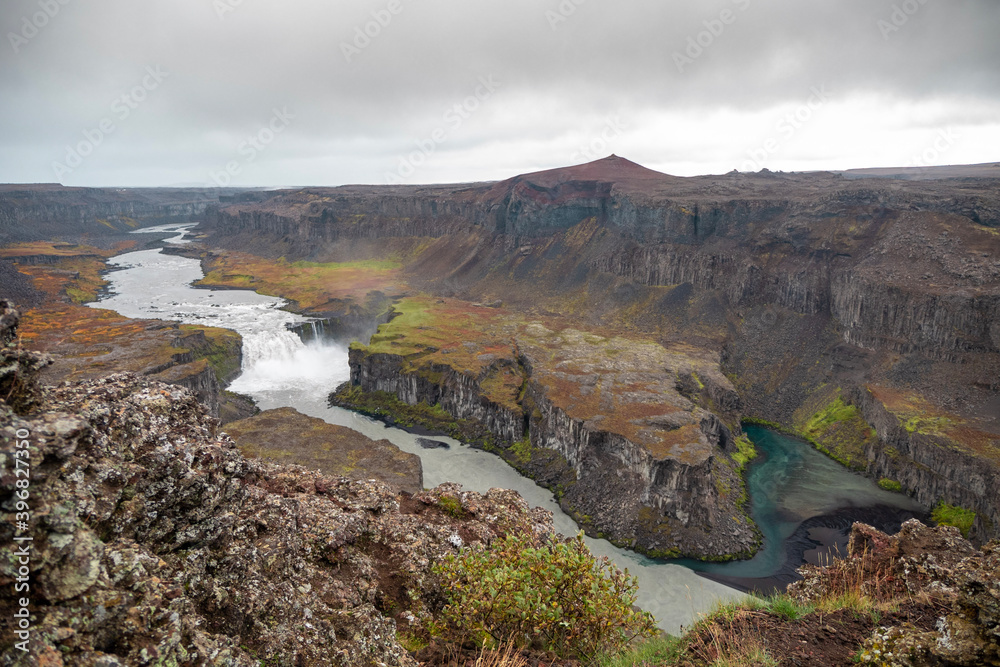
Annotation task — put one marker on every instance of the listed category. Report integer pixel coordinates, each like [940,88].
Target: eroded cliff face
[933,465]
[648,467]
[49,211]
[900,267]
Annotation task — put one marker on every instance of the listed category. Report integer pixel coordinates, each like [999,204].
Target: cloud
[367,80]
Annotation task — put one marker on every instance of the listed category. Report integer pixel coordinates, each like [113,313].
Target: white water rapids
[280,371]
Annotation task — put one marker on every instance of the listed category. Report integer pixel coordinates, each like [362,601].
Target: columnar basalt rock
[932,465]
[648,467]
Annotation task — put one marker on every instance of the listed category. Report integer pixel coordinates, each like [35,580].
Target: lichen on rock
[920,563]
[156,542]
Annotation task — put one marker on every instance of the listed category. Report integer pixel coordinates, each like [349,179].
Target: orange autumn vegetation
[311,286]
[919,416]
[615,383]
[89,342]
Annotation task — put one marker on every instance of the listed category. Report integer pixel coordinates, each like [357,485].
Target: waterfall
[312,330]
[278,360]
[267,346]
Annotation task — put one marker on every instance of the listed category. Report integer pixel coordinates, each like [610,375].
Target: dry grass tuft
[505,655]
[723,641]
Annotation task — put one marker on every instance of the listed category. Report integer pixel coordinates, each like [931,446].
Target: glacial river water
[790,485]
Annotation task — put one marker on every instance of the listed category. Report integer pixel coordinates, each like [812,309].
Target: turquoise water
[789,483]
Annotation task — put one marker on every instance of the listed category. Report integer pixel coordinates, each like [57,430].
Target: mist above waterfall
[280,361]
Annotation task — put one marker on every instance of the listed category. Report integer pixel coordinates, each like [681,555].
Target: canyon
[155,541]
[859,310]
[32,212]
[607,328]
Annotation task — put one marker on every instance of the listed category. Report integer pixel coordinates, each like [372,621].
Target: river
[791,485]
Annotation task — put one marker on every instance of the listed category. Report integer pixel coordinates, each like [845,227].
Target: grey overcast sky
[328,92]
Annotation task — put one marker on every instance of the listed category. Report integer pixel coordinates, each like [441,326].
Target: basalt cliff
[32,212]
[860,310]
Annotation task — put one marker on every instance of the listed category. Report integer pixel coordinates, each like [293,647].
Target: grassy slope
[311,286]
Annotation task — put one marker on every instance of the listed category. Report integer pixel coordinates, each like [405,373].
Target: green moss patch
[890,485]
[745,452]
[313,286]
[222,350]
[839,431]
[952,515]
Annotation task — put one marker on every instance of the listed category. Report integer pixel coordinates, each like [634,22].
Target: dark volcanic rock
[8,322]
[600,421]
[287,436]
[432,444]
[929,563]
[19,369]
[17,287]
[49,210]
[156,542]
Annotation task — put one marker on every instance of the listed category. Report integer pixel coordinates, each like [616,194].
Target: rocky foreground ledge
[925,597]
[154,541]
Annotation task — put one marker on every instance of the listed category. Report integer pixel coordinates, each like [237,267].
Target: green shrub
[787,608]
[521,450]
[890,485]
[554,596]
[950,515]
